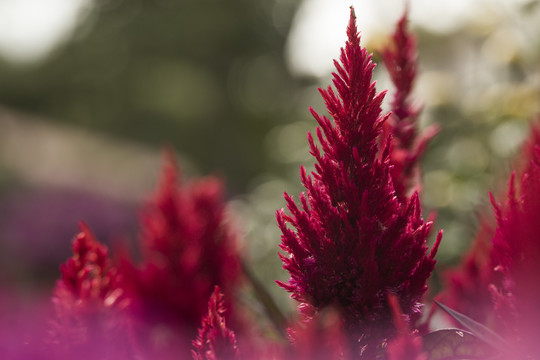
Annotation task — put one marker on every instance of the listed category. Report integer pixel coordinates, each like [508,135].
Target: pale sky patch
[318,29]
[29,29]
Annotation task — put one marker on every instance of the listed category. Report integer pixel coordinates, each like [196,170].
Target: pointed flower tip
[349,204]
[397,314]
[435,247]
[215,340]
[83,226]
[353,14]
[352,31]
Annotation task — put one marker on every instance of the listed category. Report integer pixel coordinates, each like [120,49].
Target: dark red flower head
[351,241]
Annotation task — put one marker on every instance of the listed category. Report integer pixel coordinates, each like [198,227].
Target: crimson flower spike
[516,250]
[215,341]
[90,304]
[351,241]
[400,58]
[188,246]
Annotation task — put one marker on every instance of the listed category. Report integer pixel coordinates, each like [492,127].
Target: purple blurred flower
[352,241]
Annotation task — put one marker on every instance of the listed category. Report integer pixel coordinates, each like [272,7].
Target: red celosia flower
[516,250]
[187,248]
[467,287]
[353,241]
[215,341]
[89,303]
[400,58]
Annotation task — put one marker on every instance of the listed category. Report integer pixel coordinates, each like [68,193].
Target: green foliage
[204,76]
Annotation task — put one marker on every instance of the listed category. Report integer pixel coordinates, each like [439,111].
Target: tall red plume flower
[351,240]
[467,287]
[89,303]
[516,250]
[188,247]
[400,58]
[215,341]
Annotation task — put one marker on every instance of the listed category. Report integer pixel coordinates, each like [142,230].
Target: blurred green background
[227,85]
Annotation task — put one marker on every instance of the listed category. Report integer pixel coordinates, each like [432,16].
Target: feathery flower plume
[469,287]
[215,341]
[89,303]
[400,58]
[187,248]
[516,250]
[351,240]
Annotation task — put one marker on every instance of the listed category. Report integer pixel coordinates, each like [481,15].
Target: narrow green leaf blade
[479,330]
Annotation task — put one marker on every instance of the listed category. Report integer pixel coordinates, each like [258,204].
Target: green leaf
[479,330]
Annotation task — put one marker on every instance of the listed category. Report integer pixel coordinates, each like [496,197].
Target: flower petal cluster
[215,341]
[400,59]
[351,241]
[187,248]
[516,250]
[89,302]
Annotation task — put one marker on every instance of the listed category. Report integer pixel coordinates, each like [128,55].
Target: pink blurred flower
[89,304]
[516,250]
[352,241]
[467,285]
[187,248]
[320,338]
[406,345]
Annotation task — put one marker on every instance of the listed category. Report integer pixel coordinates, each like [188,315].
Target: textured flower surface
[516,250]
[351,241]
[215,341]
[89,303]
[400,58]
[188,247]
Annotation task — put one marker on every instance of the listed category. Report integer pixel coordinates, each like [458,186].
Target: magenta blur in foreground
[354,243]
